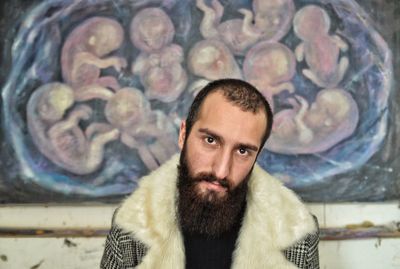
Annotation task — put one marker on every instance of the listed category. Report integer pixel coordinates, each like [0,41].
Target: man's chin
[210,195]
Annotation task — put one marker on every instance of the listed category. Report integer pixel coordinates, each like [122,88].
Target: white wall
[370,253]
[81,252]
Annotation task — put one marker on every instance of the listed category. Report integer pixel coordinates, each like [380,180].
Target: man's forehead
[215,102]
[217,99]
[229,120]
[213,98]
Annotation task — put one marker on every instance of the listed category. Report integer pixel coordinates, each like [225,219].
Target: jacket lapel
[274,220]
[149,214]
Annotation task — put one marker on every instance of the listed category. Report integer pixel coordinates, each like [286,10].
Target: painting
[93,92]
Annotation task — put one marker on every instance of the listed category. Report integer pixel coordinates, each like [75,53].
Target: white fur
[274,220]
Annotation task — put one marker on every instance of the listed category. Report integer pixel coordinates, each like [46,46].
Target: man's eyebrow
[248,146]
[219,138]
[211,133]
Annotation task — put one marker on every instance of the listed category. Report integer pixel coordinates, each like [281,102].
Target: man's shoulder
[304,253]
[122,248]
[280,208]
[151,205]
[125,238]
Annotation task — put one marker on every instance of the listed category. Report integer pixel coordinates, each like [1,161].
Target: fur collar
[275,219]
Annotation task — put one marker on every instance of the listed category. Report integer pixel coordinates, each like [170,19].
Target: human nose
[222,164]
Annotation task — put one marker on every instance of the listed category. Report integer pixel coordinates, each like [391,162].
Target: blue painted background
[363,167]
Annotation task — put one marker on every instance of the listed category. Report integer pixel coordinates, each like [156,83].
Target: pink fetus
[238,34]
[159,63]
[85,52]
[212,60]
[151,29]
[320,50]
[273,18]
[302,129]
[149,132]
[269,66]
[57,134]
[161,73]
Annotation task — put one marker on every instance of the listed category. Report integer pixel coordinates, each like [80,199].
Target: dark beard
[207,214]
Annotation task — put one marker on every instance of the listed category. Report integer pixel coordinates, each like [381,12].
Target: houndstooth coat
[277,231]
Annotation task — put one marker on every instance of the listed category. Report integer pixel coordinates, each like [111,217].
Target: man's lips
[212,185]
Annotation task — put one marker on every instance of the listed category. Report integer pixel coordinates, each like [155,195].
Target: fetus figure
[57,134]
[212,60]
[151,29]
[269,66]
[303,129]
[161,73]
[273,18]
[159,63]
[320,50]
[84,53]
[238,34]
[149,132]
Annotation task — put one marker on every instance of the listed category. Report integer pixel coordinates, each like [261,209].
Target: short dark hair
[238,92]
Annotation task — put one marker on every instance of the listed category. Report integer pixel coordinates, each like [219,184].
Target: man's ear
[182,134]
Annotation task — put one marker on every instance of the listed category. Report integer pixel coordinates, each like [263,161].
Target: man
[214,207]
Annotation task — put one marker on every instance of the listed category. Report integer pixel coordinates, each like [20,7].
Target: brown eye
[243,151]
[210,140]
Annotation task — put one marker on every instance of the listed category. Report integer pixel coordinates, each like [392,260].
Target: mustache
[209,177]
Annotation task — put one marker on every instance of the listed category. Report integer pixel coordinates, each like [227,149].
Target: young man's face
[222,145]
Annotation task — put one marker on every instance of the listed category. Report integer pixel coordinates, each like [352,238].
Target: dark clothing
[203,252]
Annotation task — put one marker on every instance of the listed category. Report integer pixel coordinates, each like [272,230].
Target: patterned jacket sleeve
[121,250]
[112,255]
[305,253]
